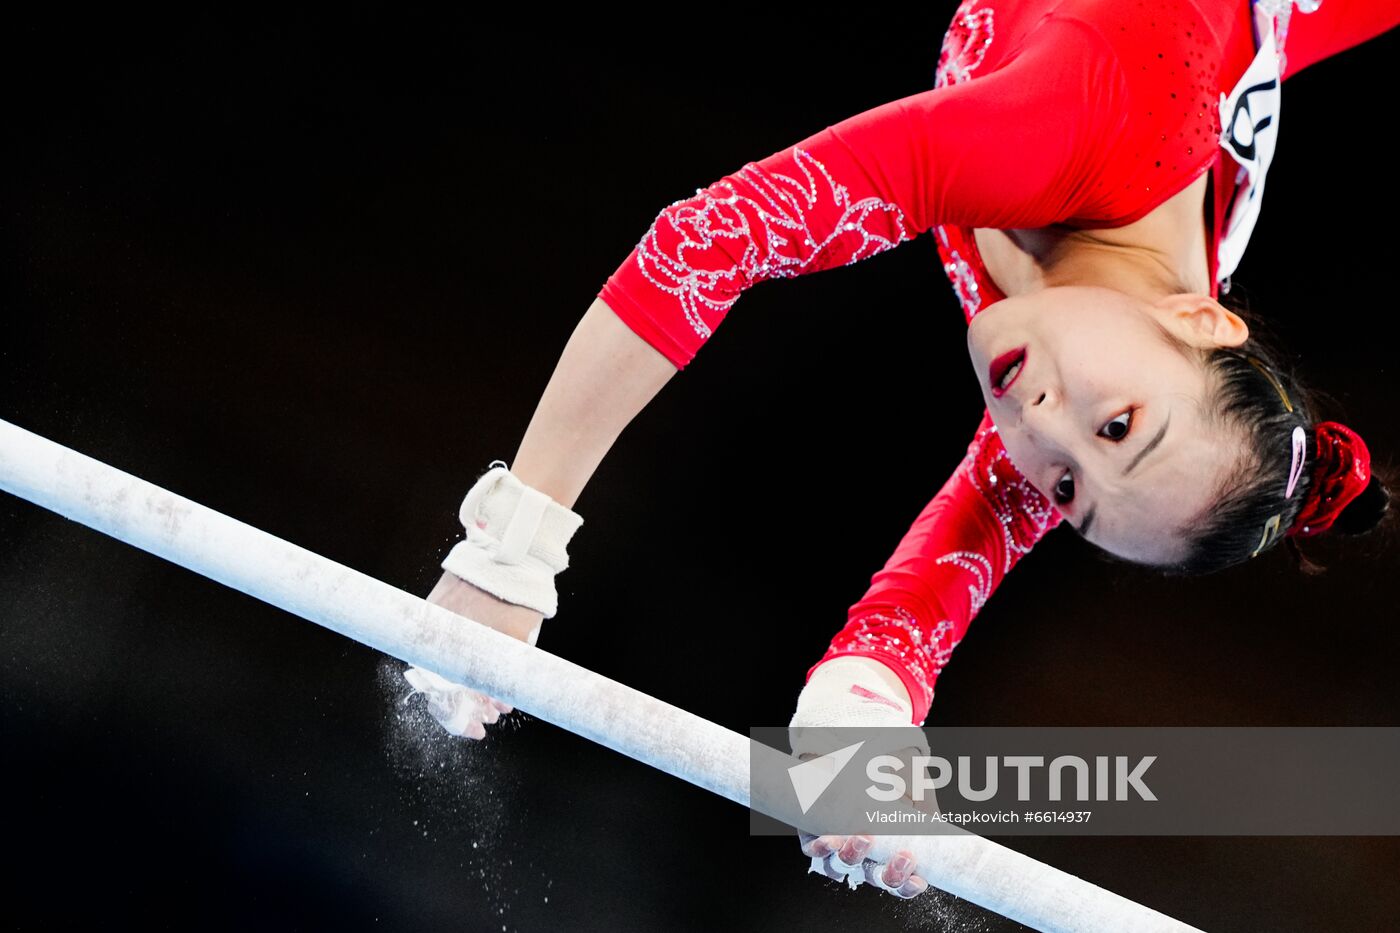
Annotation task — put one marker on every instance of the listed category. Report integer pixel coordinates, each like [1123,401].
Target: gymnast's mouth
[1005,370]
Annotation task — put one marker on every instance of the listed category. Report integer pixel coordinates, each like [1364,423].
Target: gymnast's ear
[1201,321]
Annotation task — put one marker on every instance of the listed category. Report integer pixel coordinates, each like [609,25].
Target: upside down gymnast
[1091,171]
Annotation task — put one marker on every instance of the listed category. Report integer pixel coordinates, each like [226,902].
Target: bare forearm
[605,376]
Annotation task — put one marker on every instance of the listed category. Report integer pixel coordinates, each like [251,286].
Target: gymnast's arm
[1332,28]
[956,154]
[881,667]
[979,525]
[605,376]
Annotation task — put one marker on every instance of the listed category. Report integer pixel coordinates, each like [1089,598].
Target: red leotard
[1087,113]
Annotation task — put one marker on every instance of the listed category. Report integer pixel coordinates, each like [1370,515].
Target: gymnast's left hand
[857,693]
[843,858]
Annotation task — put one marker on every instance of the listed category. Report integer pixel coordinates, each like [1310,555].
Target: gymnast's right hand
[461,710]
[502,575]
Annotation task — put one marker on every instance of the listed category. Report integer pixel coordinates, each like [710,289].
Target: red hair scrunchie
[1341,473]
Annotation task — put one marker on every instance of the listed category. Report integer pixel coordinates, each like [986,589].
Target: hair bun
[1365,511]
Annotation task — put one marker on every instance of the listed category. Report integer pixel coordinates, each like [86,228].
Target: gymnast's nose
[1039,403]
[1042,416]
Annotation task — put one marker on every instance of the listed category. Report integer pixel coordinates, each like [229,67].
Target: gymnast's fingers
[852,852]
[822,850]
[458,709]
[897,875]
[841,857]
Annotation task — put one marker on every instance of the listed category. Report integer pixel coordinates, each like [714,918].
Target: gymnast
[1091,171]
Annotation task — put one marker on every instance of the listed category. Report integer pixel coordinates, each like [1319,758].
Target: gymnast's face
[1104,416]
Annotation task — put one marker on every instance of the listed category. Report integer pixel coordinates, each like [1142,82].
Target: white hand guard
[853,691]
[515,543]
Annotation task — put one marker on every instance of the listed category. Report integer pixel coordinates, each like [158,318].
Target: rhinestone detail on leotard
[965,43]
[1282,12]
[771,225]
[964,47]
[961,275]
[1024,514]
[980,590]
[896,634]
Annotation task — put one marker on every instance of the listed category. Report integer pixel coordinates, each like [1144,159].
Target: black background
[314,270]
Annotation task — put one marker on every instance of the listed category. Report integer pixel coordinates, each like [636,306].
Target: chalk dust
[464,791]
[937,910]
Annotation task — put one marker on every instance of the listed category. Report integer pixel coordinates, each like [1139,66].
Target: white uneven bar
[549,687]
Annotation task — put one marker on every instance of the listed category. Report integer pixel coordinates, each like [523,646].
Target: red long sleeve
[1008,150]
[969,536]
[1335,26]
[1079,112]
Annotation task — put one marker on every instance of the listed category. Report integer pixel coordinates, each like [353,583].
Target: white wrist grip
[852,692]
[516,541]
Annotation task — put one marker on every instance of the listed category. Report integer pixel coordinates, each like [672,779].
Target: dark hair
[1241,399]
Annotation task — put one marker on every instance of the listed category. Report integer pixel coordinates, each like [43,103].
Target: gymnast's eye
[1118,428]
[1064,489]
